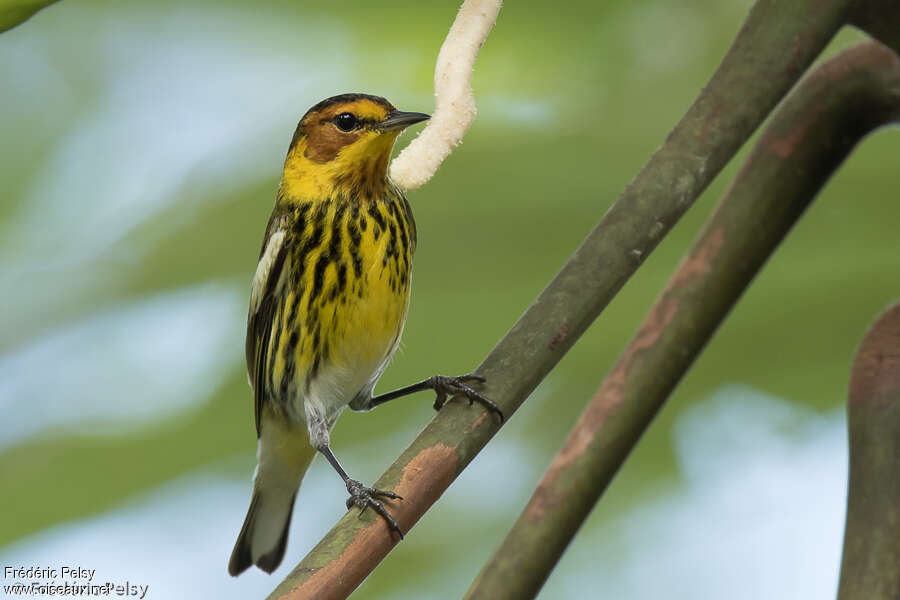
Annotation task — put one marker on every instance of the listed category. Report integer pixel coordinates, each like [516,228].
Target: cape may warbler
[327,307]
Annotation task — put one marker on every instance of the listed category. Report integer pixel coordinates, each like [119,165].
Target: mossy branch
[775,46]
[809,136]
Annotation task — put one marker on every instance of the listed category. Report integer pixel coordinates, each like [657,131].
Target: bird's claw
[448,387]
[364,497]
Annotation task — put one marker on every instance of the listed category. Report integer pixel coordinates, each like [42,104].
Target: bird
[328,302]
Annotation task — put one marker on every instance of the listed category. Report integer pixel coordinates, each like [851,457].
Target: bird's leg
[361,495]
[444,388]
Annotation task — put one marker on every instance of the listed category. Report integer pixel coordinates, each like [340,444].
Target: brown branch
[870,568]
[880,19]
[775,46]
[808,138]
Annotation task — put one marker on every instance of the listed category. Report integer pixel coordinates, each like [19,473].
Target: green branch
[808,138]
[14,12]
[774,47]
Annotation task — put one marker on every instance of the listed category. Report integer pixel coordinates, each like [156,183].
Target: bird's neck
[347,175]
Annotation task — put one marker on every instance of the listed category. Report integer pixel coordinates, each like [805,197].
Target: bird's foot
[447,387]
[364,497]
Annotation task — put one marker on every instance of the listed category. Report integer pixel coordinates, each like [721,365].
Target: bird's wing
[263,303]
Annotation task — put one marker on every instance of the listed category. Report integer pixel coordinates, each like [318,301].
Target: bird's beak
[400,120]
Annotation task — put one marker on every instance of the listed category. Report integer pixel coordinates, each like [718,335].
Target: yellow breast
[347,292]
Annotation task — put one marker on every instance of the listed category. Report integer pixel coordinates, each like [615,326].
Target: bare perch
[810,135]
[744,89]
[870,568]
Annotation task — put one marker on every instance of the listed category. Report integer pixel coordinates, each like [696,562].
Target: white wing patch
[261,278]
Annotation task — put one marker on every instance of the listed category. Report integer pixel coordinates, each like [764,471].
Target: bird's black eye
[346,121]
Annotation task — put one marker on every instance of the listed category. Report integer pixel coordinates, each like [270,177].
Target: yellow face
[343,142]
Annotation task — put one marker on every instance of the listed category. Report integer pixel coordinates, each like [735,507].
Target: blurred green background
[142,145]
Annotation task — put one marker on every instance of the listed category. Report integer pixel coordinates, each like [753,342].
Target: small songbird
[327,307]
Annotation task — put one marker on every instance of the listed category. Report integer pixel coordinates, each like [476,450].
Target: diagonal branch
[775,46]
[808,138]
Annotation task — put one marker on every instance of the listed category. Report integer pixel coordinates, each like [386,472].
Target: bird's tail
[284,456]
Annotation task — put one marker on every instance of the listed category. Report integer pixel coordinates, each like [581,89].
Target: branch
[808,138]
[774,47]
[14,12]
[454,108]
[880,19]
[870,568]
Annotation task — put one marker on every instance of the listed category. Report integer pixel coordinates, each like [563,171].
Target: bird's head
[343,143]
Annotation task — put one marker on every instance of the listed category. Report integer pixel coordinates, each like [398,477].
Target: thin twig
[809,136]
